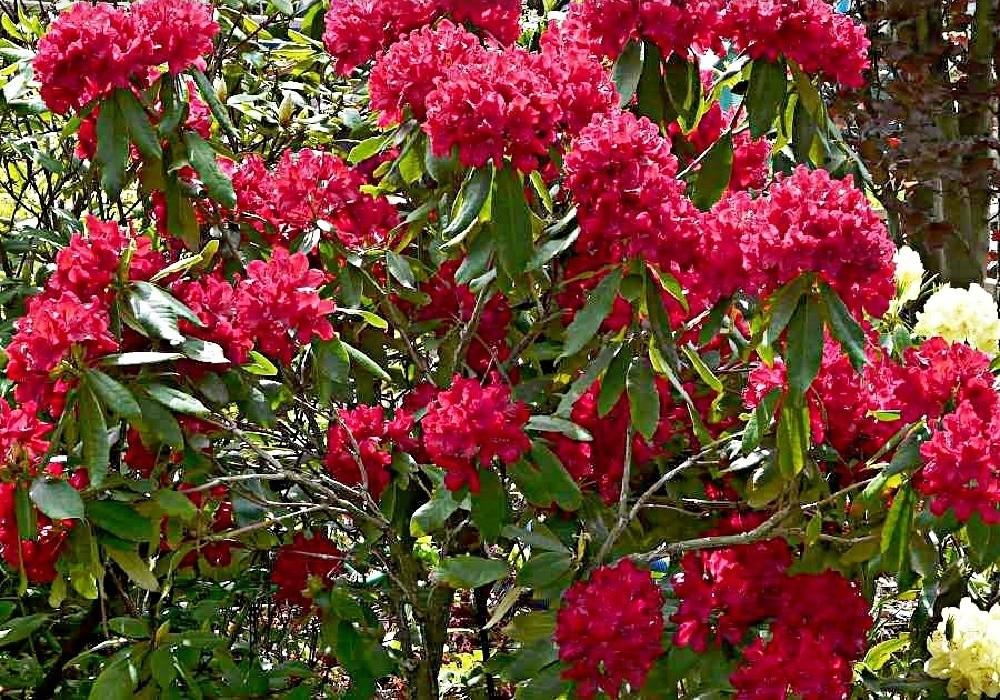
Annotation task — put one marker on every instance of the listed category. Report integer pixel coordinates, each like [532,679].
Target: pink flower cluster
[362,436]
[469,426]
[92,49]
[315,558]
[305,188]
[817,622]
[609,630]
[358,30]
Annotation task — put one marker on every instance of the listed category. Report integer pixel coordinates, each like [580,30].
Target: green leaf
[804,345]
[760,421]
[511,220]
[714,173]
[217,108]
[585,381]
[555,424]
[204,351]
[113,394]
[120,519]
[131,627]
[896,530]
[765,94]
[136,568]
[489,505]
[471,198]
[626,71]
[182,221]
[793,435]
[116,682]
[781,305]
[651,94]
[202,158]
[879,655]
[177,401]
[699,366]
[565,491]
[158,312]
[531,484]
[24,513]
[984,542]
[137,123]
[260,365]
[643,398]
[332,359]
[128,359]
[366,362]
[588,320]
[471,572]
[20,628]
[366,149]
[400,269]
[112,147]
[431,516]
[94,436]
[682,79]
[57,499]
[844,327]
[613,383]
[175,503]
[544,568]
[161,423]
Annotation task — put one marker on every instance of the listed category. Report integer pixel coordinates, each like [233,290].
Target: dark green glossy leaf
[564,490]
[511,221]
[94,436]
[57,499]
[643,398]
[489,505]
[202,158]
[471,572]
[613,383]
[765,95]
[844,327]
[137,123]
[113,395]
[804,345]
[588,320]
[626,71]
[112,147]
[714,173]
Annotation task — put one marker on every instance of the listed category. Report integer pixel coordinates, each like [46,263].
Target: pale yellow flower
[965,651]
[909,274]
[961,315]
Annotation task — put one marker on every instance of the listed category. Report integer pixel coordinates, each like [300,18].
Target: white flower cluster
[965,650]
[909,274]
[961,315]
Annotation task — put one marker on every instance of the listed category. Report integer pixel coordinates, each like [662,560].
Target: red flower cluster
[808,32]
[37,556]
[610,630]
[90,50]
[22,437]
[468,426]
[495,104]
[810,222]
[750,158]
[408,72]
[307,187]
[622,176]
[214,302]
[375,437]
[278,304]
[315,559]
[500,18]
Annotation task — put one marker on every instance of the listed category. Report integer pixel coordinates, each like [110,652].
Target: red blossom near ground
[91,50]
[609,630]
[376,439]
[307,187]
[315,558]
[493,105]
[469,426]
[278,304]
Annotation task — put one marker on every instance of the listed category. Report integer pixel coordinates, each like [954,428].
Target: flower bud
[285,111]
[221,89]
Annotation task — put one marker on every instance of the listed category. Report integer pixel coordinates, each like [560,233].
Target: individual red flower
[500,18]
[622,176]
[939,375]
[214,301]
[468,426]
[304,562]
[405,75]
[375,437]
[358,30]
[23,436]
[181,31]
[810,222]
[88,51]
[961,470]
[808,32]
[279,304]
[493,105]
[609,630]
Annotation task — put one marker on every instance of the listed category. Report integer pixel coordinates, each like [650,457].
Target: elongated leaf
[94,436]
[112,147]
[161,422]
[613,383]
[588,320]
[116,682]
[400,269]
[202,158]
[212,100]
[204,351]
[585,381]
[714,173]
[561,485]
[682,80]
[471,198]
[626,72]
[896,530]
[544,568]
[471,572]
[24,513]
[793,435]
[120,519]
[158,312]
[366,149]
[137,123]
[844,327]
[643,398]
[765,95]
[782,305]
[113,395]
[57,499]
[366,362]
[135,567]
[511,222]
[804,345]
[489,505]
[555,424]
[651,93]
[20,628]
[760,421]
[177,401]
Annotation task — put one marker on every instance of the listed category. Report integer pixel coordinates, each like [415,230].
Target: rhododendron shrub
[435,349]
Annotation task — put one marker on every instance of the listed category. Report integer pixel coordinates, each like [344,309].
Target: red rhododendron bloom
[810,222]
[500,18]
[375,438]
[305,188]
[181,31]
[358,30]
[609,629]
[214,302]
[751,158]
[408,72]
[494,104]
[939,375]
[23,436]
[468,426]
[279,304]
[622,176]
[38,556]
[808,32]
[315,559]
[961,468]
